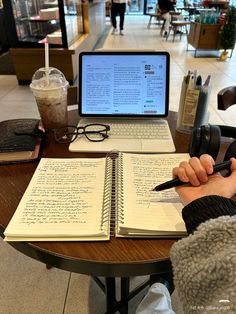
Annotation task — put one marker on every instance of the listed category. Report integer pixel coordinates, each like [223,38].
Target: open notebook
[73,199]
[129,91]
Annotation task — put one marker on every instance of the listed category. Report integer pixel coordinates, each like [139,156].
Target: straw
[47,62]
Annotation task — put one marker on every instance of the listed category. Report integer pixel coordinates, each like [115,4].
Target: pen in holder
[193,103]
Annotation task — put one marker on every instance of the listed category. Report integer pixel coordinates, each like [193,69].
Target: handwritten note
[60,199]
[142,174]
[144,208]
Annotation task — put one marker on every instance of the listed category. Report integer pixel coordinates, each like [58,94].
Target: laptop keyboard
[139,130]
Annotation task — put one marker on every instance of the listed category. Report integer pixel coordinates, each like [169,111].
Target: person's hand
[197,172]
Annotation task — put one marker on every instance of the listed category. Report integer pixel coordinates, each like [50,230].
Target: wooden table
[115,258]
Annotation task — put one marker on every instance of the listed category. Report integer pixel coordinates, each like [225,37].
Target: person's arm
[204,263]
[204,267]
[198,173]
[205,191]
[205,208]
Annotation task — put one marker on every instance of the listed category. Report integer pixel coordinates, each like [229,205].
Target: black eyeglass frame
[77,132]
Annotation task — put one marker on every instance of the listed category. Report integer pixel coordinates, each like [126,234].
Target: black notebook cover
[9,141]
[20,139]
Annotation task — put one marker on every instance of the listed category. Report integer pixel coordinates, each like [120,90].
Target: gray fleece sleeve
[205,208]
[204,266]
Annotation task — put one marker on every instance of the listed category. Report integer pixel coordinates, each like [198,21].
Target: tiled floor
[27,287]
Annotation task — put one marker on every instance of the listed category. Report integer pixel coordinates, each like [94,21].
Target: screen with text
[124,84]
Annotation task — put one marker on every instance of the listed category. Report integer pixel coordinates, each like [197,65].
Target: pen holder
[193,107]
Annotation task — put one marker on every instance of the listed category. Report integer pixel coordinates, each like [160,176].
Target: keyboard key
[139,130]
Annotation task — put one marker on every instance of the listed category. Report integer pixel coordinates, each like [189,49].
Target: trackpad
[126,145]
[153,146]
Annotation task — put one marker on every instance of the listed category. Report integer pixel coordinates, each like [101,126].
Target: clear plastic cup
[50,92]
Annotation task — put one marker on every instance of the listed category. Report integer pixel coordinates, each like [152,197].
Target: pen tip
[157,189]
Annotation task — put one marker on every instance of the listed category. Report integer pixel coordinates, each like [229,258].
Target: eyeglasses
[93,132]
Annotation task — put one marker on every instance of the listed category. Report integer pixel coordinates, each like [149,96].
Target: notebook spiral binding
[105,219]
[113,157]
[120,191]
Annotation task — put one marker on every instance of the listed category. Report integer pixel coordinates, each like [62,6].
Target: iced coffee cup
[50,91]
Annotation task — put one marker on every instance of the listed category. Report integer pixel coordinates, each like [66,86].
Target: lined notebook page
[64,199]
[143,209]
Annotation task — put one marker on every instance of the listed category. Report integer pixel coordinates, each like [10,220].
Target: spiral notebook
[77,199]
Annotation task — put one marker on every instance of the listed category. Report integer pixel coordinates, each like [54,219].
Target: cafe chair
[178,26]
[226,97]
[158,18]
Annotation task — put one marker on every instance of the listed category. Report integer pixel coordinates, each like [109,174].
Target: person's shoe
[165,34]
[165,279]
[114,31]
[121,33]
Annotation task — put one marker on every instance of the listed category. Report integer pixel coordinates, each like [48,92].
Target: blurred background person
[165,6]
[118,7]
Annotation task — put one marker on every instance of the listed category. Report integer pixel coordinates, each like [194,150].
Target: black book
[20,140]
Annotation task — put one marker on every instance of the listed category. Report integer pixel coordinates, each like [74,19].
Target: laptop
[129,91]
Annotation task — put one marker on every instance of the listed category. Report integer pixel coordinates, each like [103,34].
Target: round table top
[117,257]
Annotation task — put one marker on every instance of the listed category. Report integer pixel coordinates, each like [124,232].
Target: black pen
[177,182]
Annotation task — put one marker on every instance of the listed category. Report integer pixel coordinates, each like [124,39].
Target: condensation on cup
[50,92]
